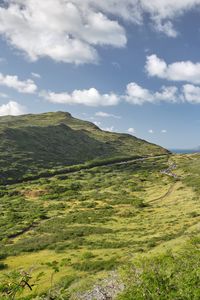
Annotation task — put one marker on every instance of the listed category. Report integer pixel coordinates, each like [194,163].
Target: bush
[164,277]
[3,256]
[3,266]
[95,265]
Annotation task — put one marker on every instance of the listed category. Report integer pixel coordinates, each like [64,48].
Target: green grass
[164,276]
[96,220]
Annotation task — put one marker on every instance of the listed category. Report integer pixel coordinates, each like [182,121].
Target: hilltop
[41,142]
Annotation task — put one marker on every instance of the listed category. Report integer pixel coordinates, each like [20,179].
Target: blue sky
[129,66]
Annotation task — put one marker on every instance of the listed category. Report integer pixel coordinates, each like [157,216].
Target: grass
[46,144]
[164,276]
[95,220]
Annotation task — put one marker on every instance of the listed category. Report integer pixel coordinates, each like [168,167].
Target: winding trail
[168,172]
[167,194]
[24,230]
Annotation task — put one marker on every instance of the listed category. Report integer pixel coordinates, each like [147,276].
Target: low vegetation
[165,276]
[66,232]
[46,144]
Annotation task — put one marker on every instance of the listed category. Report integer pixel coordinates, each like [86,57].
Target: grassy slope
[32,143]
[95,220]
[172,274]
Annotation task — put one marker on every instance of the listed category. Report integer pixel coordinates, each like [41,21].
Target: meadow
[72,230]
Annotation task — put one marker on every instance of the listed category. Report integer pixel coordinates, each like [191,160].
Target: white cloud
[191,93]
[131,130]
[66,31]
[28,86]
[90,97]
[98,124]
[166,28]
[106,115]
[36,75]
[177,71]
[163,131]
[135,94]
[71,31]
[150,131]
[12,108]
[162,13]
[155,66]
[110,129]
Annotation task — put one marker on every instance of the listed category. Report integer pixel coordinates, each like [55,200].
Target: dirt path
[169,172]
[167,194]
[24,230]
[83,168]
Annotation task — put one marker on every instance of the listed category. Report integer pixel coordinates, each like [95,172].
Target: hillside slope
[32,143]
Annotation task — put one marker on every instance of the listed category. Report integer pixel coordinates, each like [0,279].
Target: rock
[107,289]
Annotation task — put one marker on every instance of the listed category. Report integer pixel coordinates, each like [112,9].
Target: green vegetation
[166,276]
[41,145]
[78,204]
[75,228]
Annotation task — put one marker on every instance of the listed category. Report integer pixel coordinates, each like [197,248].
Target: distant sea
[184,151]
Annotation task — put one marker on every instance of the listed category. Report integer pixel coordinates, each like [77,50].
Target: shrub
[164,277]
[3,266]
[95,265]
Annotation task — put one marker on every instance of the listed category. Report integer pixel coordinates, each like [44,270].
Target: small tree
[15,282]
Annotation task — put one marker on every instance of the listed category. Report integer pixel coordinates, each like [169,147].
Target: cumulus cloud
[12,108]
[131,130]
[138,95]
[106,115]
[163,131]
[71,31]
[162,13]
[12,81]
[66,31]
[177,71]
[191,93]
[135,94]
[90,97]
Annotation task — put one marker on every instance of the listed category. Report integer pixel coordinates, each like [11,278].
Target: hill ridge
[35,143]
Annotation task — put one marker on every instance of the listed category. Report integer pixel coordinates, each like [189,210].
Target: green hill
[35,143]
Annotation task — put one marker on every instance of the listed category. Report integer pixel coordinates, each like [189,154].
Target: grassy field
[93,221]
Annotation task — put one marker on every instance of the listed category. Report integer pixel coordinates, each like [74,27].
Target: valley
[89,223]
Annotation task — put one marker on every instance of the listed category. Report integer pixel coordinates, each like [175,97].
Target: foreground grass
[96,220]
[167,276]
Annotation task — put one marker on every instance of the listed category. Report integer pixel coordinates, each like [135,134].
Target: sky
[129,66]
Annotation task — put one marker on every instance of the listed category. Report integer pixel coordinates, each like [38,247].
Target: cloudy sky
[130,66]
